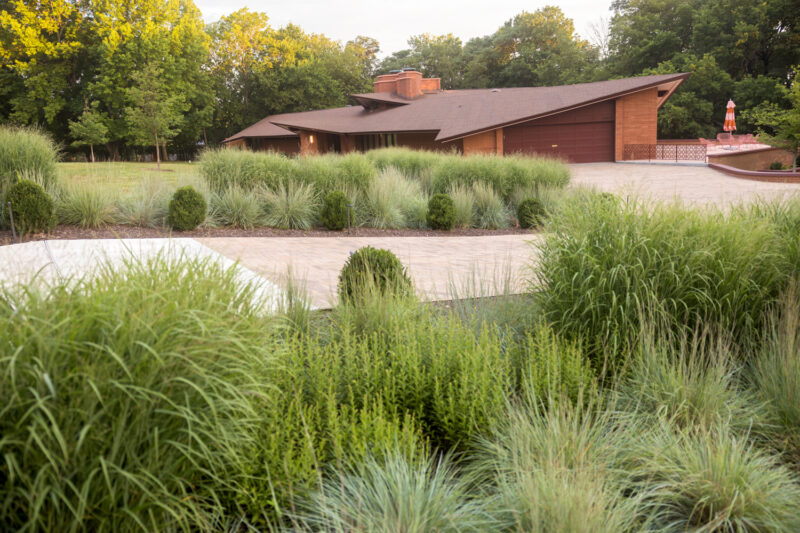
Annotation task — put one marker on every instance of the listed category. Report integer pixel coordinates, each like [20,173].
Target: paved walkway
[698,185]
[441,267]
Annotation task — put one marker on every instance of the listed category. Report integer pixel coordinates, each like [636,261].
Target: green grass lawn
[124,177]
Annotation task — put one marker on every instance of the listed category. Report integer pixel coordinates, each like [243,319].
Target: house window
[378,140]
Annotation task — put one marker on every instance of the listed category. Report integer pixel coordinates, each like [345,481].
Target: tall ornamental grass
[26,152]
[247,170]
[86,207]
[146,206]
[414,163]
[606,262]
[131,401]
[393,201]
[292,206]
[236,207]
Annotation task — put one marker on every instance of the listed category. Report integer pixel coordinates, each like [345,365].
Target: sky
[393,22]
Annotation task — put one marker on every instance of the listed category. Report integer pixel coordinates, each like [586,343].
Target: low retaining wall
[774,176]
[756,160]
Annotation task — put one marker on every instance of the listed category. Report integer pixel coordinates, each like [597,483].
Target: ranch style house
[581,123]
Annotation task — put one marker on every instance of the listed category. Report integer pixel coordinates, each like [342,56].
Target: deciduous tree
[89,129]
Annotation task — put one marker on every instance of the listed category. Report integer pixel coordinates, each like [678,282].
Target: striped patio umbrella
[730,120]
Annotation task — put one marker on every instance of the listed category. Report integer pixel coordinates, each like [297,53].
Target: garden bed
[134,232]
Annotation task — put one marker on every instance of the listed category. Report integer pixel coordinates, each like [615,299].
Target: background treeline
[107,73]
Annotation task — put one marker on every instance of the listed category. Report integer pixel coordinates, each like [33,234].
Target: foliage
[531,213]
[334,211]
[147,206]
[367,267]
[396,494]
[389,199]
[153,114]
[607,262]
[116,389]
[85,207]
[412,163]
[33,209]
[89,129]
[441,212]
[26,152]
[463,206]
[781,127]
[292,206]
[776,165]
[490,212]
[715,480]
[236,208]
[187,209]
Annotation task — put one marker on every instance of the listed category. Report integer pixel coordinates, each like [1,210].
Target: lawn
[126,177]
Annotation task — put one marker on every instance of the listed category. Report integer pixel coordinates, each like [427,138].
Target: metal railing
[664,152]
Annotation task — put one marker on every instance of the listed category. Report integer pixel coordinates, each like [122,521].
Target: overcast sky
[393,22]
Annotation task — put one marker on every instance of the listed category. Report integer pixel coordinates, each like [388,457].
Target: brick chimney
[406,83]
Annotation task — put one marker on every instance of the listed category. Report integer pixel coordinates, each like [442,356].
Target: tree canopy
[215,79]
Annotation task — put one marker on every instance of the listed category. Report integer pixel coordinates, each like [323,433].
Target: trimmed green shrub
[33,209]
[187,209]
[334,211]
[26,153]
[776,165]
[370,267]
[531,213]
[441,212]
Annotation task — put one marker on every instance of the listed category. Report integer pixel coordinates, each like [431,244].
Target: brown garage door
[581,136]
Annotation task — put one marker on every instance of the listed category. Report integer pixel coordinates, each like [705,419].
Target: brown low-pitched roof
[263,128]
[456,114]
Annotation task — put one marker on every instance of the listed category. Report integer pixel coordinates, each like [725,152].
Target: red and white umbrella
[730,120]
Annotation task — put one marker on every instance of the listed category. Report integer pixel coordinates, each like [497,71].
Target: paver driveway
[473,266]
[698,185]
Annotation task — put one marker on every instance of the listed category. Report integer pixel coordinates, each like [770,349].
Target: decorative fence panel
[664,152]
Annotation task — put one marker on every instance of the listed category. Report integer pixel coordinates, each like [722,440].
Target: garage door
[580,136]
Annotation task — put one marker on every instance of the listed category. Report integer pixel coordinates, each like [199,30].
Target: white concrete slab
[53,261]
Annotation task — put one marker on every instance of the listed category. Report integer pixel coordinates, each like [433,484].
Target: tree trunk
[158,153]
[164,154]
[91,150]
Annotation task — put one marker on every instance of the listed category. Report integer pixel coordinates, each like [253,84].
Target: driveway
[698,185]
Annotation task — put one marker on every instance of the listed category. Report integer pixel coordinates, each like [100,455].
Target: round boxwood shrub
[33,209]
[187,209]
[531,213]
[776,165]
[334,211]
[375,269]
[441,212]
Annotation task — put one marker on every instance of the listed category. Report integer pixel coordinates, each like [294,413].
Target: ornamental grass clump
[86,207]
[236,208]
[31,207]
[413,163]
[391,201]
[247,170]
[292,206]
[606,262]
[714,480]
[441,212]
[464,206]
[147,206]
[396,494]
[490,211]
[130,400]
[26,152]
[187,209]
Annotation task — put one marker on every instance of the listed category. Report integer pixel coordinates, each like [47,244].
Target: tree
[89,129]
[781,127]
[153,114]
[435,56]
[539,48]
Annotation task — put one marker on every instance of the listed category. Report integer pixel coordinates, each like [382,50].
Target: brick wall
[753,159]
[483,143]
[636,120]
